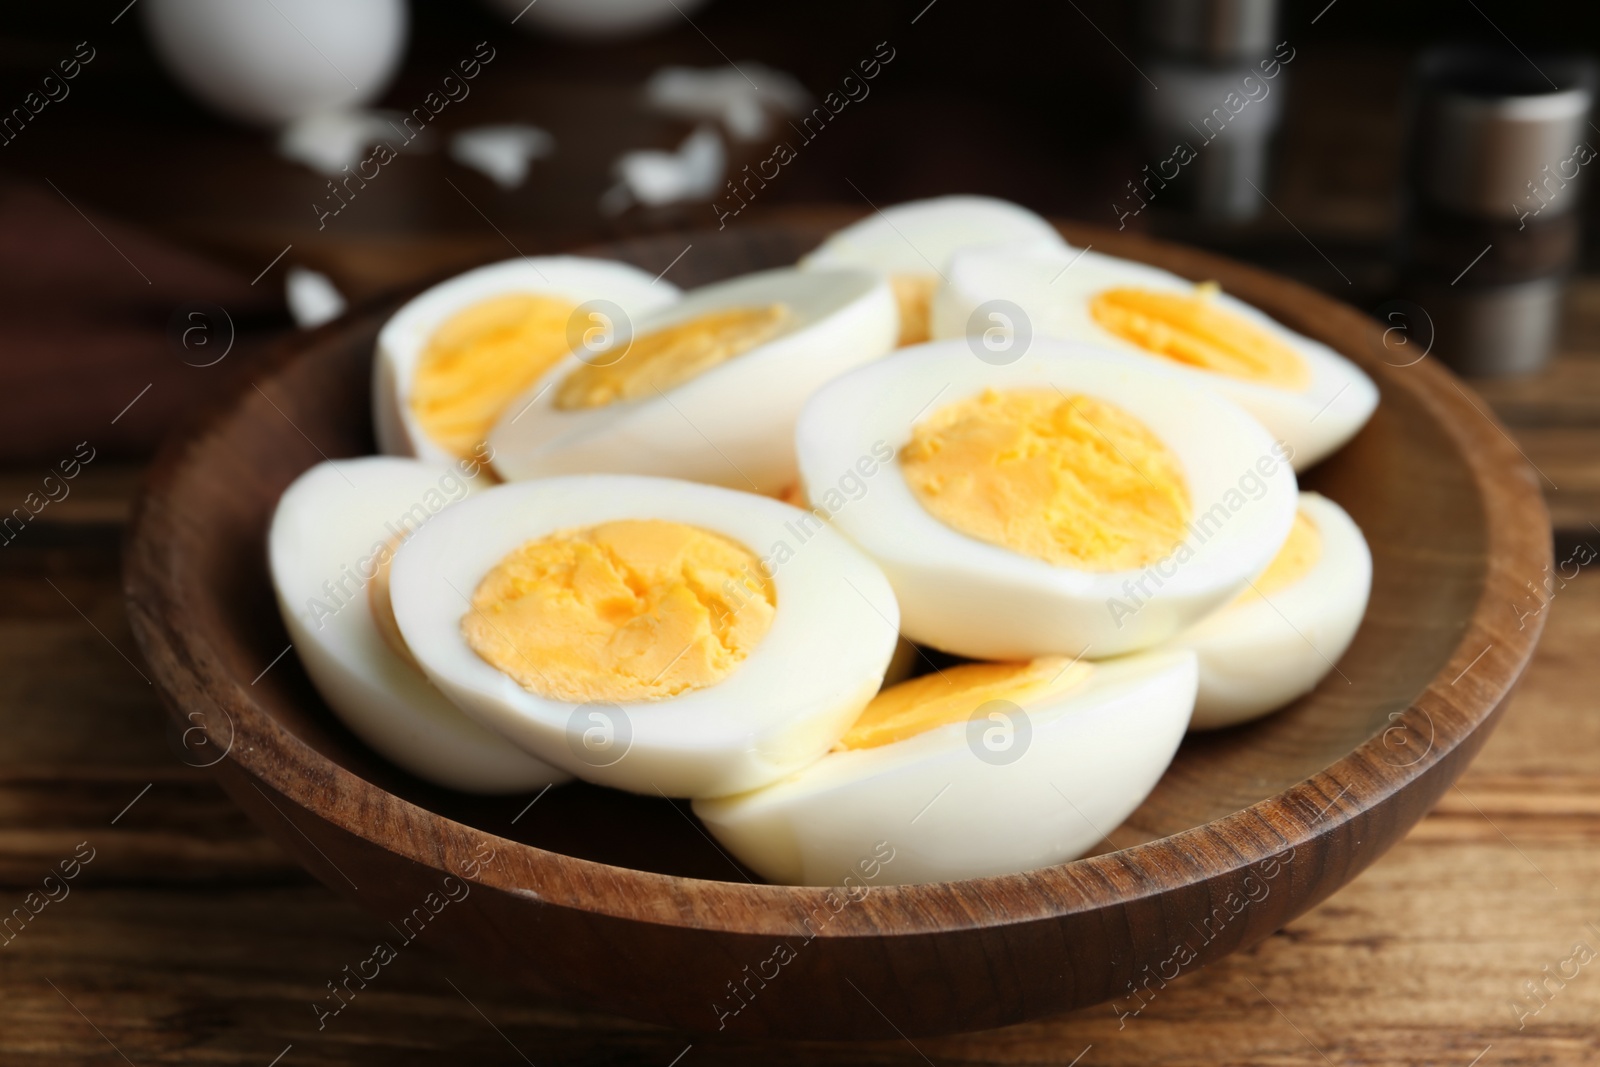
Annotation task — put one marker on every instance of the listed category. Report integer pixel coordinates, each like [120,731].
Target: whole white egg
[596,20]
[273,61]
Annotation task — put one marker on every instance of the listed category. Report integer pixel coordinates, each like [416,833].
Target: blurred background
[163,156]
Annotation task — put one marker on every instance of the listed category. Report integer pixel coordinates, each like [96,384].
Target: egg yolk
[913,293]
[1293,562]
[1190,328]
[955,694]
[624,611]
[480,360]
[1071,480]
[666,358]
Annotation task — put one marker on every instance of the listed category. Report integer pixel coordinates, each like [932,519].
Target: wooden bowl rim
[187,669]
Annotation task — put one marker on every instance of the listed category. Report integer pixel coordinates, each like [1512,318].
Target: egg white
[1087,759]
[405,336]
[328,528]
[732,425]
[976,599]
[1053,288]
[1261,654]
[919,236]
[796,693]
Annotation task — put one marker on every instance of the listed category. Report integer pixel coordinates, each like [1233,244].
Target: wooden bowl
[621,903]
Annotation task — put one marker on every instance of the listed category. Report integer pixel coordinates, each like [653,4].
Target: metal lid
[1210,31]
[1498,135]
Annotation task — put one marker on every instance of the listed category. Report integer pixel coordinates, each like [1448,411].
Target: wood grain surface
[190,938]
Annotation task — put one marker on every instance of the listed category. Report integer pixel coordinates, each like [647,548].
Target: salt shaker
[1499,147]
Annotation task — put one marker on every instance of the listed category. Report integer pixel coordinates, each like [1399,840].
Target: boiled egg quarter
[450,360]
[706,390]
[980,769]
[1068,502]
[1276,640]
[333,537]
[912,244]
[658,636]
[1304,392]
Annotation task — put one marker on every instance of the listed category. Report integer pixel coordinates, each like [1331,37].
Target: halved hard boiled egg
[1066,502]
[449,361]
[912,244]
[979,769]
[653,635]
[706,390]
[332,540]
[1304,392]
[1276,640]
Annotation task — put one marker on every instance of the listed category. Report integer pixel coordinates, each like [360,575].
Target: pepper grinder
[1212,100]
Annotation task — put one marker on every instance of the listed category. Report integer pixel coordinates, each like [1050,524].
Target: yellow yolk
[480,360]
[623,611]
[955,694]
[1192,329]
[1294,560]
[668,357]
[1071,480]
[913,293]
[382,605]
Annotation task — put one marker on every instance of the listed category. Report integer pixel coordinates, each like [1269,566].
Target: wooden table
[188,937]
